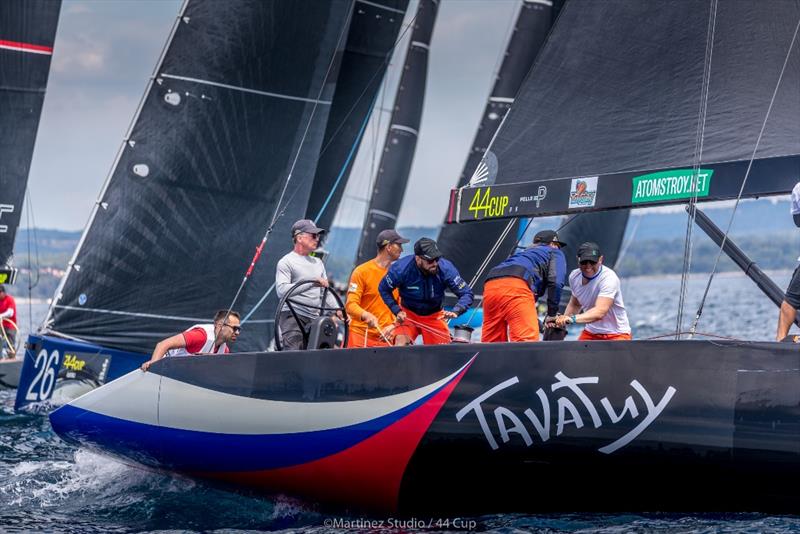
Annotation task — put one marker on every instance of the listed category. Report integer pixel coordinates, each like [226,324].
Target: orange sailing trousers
[432,327]
[509,311]
[588,336]
[356,339]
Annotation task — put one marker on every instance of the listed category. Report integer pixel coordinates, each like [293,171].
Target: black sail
[621,113]
[239,98]
[374,28]
[27,34]
[468,246]
[401,141]
[606,228]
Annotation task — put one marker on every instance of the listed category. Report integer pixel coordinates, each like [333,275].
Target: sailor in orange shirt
[369,316]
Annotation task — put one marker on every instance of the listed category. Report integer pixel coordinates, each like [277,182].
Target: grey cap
[389,236]
[307,226]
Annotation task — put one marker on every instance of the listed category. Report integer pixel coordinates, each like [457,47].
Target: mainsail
[468,246]
[401,141]
[27,34]
[374,28]
[239,101]
[615,122]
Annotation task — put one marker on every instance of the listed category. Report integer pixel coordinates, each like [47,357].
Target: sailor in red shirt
[8,311]
[200,339]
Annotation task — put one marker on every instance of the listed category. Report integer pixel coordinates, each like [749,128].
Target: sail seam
[244,89]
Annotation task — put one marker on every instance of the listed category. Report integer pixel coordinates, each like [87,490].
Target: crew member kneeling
[421,280]
[595,289]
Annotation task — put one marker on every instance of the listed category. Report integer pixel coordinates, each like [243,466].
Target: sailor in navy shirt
[421,280]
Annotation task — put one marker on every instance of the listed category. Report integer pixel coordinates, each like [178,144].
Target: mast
[468,246]
[27,35]
[401,141]
[374,28]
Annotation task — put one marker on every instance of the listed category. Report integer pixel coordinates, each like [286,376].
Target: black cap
[427,249]
[546,237]
[589,251]
[389,236]
[307,226]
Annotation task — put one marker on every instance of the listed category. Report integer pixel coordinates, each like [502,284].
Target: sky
[106,50]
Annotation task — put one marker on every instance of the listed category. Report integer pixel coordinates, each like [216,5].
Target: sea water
[48,485]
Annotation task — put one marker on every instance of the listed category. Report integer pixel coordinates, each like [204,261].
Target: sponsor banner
[583,192]
[671,185]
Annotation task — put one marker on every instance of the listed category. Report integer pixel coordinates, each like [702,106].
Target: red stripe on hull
[366,476]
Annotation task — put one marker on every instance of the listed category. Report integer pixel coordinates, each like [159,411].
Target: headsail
[613,122]
[374,28]
[398,152]
[239,99]
[27,34]
[469,246]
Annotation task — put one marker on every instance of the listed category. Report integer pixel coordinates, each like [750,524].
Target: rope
[278,209]
[12,348]
[744,181]
[672,334]
[427,328]
[698,155]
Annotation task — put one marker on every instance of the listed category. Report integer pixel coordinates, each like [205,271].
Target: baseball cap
[307,226]
[426,248]
[589,251]
[546,237]
[389,236]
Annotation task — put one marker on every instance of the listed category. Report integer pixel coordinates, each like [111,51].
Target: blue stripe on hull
[191,450]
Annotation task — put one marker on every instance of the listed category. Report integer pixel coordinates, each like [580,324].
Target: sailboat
[645,104]
[223,122]
[27,35]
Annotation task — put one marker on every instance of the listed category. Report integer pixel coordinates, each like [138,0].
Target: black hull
[710,426]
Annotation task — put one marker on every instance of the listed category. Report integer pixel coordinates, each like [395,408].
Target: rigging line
[698,155]
[628,242]
[291,197]
[347,161]
[30,265]
[746,176]
[387,58]
[278,210]
[492,252]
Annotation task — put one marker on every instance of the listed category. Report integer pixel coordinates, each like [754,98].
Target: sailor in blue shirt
[512,287]
[421,280]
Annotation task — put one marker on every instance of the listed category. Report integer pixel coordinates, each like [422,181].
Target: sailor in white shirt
[596,299]
[791,300]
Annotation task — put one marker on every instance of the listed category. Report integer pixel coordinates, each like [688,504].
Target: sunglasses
[236,329]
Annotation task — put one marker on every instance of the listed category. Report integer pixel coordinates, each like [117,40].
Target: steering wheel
[298,288]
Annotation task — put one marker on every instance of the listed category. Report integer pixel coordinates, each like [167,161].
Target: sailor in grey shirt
[294,267]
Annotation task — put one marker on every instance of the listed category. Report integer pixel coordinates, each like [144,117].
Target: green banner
[670,185]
